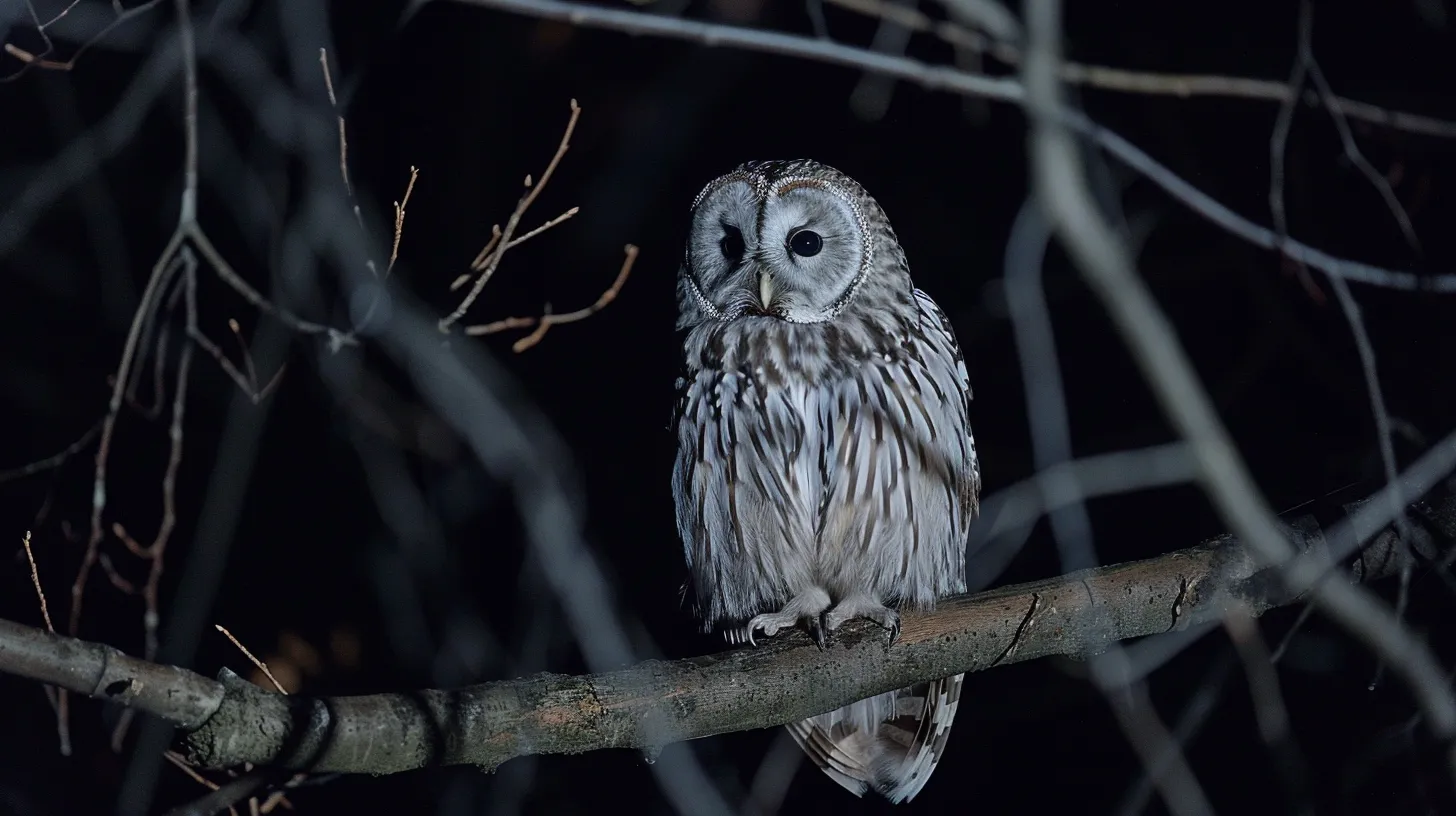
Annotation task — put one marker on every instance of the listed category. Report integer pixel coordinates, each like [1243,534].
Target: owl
[825,469]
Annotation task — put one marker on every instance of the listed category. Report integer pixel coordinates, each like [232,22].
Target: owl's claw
[817,631]
[770,623]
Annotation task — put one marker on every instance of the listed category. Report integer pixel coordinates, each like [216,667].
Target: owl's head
[791,240]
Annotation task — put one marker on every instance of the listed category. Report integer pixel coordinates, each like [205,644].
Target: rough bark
[229,721]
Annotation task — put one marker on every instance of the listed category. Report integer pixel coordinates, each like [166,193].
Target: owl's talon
[894,627]
[816,631]
[769,622]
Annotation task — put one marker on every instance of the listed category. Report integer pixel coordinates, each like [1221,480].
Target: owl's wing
[939,334]
[899,755]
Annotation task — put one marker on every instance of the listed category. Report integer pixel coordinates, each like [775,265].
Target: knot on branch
[258,726]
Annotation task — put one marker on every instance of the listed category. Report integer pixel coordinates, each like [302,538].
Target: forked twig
[41,59]
[399,206]
[502,240]
[546,320]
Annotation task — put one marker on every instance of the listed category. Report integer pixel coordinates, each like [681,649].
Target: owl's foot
[807,606]
[863,606]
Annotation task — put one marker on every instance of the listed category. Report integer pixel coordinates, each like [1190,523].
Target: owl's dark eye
[806,243]
[732,243]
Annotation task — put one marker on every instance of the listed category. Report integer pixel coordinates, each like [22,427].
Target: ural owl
[825,467]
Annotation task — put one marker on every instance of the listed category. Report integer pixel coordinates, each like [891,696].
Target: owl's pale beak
[765,288]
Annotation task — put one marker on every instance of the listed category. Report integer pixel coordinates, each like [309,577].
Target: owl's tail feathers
[892,742]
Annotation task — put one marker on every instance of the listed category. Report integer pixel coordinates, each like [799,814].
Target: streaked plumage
[825,466]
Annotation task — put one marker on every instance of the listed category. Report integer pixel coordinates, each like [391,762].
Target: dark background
[320,586]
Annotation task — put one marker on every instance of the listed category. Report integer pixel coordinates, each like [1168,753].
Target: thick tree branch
[230,721]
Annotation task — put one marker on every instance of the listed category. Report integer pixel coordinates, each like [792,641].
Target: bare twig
[177,760]
[247,381]
[233,721]
[156,553]
[52,462]
[45,611]
[502,240]
[547,319]
[399,208]
[41,59]
[263,667]
[483,256]
[343,133]
[248,786]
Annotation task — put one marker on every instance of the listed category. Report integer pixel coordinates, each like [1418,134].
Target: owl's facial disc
[797,251]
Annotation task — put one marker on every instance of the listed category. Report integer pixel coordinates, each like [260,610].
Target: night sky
[317,577]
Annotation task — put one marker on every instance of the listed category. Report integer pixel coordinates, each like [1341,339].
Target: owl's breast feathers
[835,454]
[777,353]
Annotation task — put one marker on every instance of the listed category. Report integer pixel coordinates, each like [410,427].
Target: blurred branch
[1119,80]
[1062,190]
[41,58]
[231,721]
[1002,89]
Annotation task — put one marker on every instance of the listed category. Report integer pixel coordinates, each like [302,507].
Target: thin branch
[52,462]
[343,133]
[261,666]
[45,611]
[41,59]
[483,256]
[502,240]
[547,319]
[231,721]
[225,797]
[162,273]
[399,211]
[151,619]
